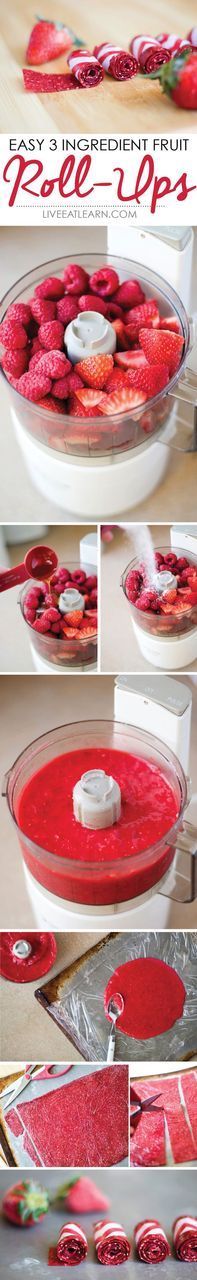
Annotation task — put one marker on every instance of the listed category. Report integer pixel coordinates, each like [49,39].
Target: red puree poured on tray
[149,808]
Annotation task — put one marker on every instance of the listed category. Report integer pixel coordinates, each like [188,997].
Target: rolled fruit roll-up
[174,43]
[111,1244]
[85,68]
[72,1245]
[117,62]
[185,1238]
[149,53]
[151,1241]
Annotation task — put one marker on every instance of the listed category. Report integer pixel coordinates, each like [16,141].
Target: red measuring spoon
[39,562]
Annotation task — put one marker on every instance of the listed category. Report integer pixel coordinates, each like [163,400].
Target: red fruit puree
[149,810]
[153,993]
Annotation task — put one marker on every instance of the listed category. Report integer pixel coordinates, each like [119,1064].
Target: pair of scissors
[146,1105]
[49,1070]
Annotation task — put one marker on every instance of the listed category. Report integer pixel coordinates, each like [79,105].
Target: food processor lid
[96,800]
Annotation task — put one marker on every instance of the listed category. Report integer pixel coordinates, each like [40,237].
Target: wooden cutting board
[135,106]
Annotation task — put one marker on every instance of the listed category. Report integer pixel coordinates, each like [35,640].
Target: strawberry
[87,629]
[120,331]
[89,398]
[54,406]
[70,632]
[74,618]
[85,1197]
[178,78]
[162,348]
[77,410]
[95,370]
[170,322]
[152,379]
[47,41]
[130,359]
[145,316]
[121,400]
[118,378]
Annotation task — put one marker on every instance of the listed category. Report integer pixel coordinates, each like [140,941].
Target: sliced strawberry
[87,629]
[78,410]
[170,596]
[121,400]
[70,632]
[95,370]
[150,379]
[170,322]
[89,398]
[118,378]
[121,338]
[130,359]
[162,347]
[74,618]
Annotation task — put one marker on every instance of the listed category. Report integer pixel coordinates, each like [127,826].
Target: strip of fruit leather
[182,1144]
[117,62]
[85,68]
[185,1238]
[151,1241]
[149,53]
[189,1089]
[44,82]
[111,1244]
[147,1143]
[84,1123]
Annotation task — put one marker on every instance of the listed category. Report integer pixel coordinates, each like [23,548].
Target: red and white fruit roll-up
[149,53]
[192,37]
[151,1241]
[185,1238]
[174,43]
[111,1244]
[117,62]
[85,67]
[72,1245]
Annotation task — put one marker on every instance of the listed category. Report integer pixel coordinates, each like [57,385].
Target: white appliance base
[151,911]
[93,490]
[57,669]
[169,654]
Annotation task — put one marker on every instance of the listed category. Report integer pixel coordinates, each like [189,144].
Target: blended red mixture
[149,810]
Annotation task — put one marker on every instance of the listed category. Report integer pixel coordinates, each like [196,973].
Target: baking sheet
[80,1011]
[134,1195]
[36,1089]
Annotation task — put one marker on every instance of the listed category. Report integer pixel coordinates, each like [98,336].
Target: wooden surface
[133,106]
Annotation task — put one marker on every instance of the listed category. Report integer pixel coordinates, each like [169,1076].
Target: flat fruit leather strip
[147,1145]
[83,1123]
[189,1088]
[183,1147]
[38,82]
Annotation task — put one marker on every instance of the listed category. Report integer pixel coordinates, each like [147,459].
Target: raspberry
[54,406]
[33,385]
[67,309]
[75,278]
[60,389]
[90,302]
[73,382]
[129,294]
[51,335]
[51,614]
[52,287]
[91,582]
[29,614]
[12,334]
[170,559]
[148,600]
[55,364]
[43,311]
[35,360]
[95,370]
[19,311]
[146,315]
[159,559]
[36,346]
[15,362]
[104,282]
[93,596]
[182,563]
[79,576]
[132,583]
[114,312]
[33,597]
[56,628]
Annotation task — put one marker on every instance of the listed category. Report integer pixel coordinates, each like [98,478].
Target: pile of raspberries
[149,346]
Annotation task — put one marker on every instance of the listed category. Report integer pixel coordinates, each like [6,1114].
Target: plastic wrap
[23,1146]
[79,1010]
[164,1131]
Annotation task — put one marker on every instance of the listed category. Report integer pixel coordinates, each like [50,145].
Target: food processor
[96,467]
[104,868]
[167,640]
[55,654]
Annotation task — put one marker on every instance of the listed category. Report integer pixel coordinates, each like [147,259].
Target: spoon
[39,562]
[114,1009]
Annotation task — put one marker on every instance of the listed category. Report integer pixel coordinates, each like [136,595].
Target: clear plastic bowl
[59,650]
[97,883]
[94,437]
[158,624]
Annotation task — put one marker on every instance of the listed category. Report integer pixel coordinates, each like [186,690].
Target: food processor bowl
[167,640]
[99,466]
[63,887]
[58,654]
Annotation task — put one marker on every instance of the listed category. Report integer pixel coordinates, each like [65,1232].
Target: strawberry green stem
[63,1190]
[168,74]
